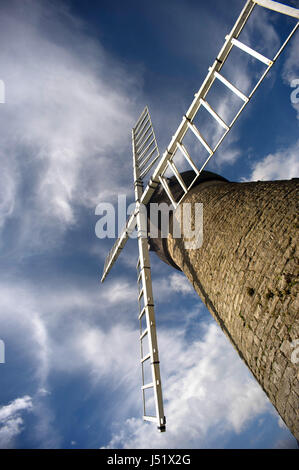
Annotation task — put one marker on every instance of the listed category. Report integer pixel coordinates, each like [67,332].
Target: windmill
[146,155]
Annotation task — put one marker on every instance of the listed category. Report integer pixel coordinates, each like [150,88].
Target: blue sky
[77,76]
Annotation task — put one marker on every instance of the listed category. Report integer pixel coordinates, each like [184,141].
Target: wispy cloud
[11,420]
[283,164]
[73,331]
[65,122]
[208,395]
[180,283]
[208,390]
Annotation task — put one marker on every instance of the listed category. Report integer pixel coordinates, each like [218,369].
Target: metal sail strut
[148,334]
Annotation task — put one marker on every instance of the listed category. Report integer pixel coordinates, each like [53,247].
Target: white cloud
[112,353]
[66,120]
[208,395]
[43,392]
[261,33]
[179,283]
[39,316]
[21,315]
[7,194]
[118,292]
[6,412]
[291,66]
[283,164]
[75,331]
[11,421]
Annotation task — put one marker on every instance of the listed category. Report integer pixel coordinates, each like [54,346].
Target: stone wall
[246,272]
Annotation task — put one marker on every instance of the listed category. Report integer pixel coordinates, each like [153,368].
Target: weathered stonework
[246,272]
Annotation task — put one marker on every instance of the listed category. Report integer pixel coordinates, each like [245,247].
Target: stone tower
[246,273]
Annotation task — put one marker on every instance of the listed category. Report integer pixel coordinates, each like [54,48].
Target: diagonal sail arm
[119,245]
[147,154]
[279,7]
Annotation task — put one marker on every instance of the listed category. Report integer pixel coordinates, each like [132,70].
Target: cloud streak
[208,395]
[66,119]
[207,389]
[11,420]
[283,164]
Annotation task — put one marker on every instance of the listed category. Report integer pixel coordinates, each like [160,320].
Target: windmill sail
[145,154]
[187,125]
